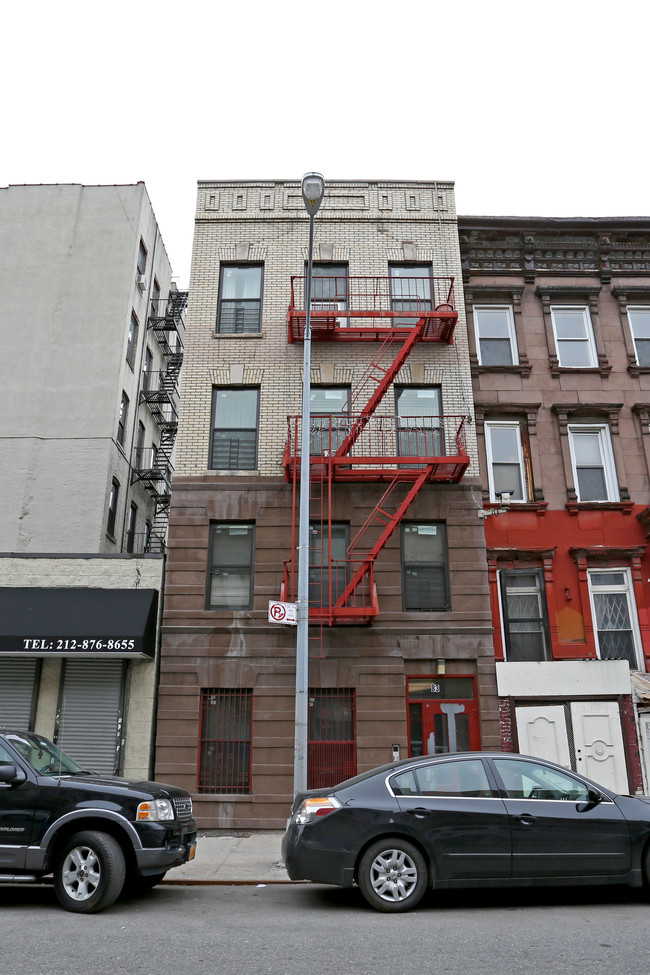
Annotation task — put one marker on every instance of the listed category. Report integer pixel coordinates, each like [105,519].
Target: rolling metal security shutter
[18,679]
[90,713]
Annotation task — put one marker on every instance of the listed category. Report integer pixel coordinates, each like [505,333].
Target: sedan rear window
[462,778]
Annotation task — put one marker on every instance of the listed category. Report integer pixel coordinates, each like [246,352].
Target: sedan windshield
[43,755]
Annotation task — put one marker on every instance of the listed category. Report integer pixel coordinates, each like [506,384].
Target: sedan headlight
[155,810]
[317,806]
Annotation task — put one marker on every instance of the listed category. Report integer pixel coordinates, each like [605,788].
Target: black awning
[78,622]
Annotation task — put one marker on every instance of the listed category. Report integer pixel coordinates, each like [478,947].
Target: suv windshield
[43,755]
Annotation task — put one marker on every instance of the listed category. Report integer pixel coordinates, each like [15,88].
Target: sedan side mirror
[593,798]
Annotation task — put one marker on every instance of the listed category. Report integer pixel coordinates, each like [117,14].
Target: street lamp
[313,190]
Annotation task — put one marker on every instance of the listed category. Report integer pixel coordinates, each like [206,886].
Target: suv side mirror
[11,774]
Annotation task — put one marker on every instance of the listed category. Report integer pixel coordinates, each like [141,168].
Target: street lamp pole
[313,189]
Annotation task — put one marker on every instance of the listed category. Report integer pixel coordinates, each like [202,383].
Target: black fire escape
[152,466]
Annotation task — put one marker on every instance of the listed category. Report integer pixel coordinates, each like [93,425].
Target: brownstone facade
[227,683]
[558,319]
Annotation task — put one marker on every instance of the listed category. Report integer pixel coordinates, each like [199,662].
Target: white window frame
[588,340]
[513,425]
[512,335]
[606,457]
[631,309]
[628,589]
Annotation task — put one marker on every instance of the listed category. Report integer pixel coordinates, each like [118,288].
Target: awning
[67,622]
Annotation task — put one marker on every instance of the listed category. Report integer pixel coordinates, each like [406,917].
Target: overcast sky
[530,108]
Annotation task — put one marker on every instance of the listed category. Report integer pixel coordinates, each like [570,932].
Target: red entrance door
[443,715]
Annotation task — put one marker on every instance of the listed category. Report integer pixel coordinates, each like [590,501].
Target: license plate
[192,852]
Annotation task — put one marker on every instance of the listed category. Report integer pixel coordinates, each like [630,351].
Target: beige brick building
[391,394]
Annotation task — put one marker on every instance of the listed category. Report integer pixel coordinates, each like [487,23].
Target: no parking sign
[283,612]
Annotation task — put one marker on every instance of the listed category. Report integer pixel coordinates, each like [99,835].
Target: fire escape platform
[376,327]
[447,470]
[373,309]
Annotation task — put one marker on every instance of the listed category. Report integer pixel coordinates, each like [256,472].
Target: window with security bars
[240,299]
[523,607]
[234,429]
[614,615]
[225,741]
[331,747]
[425,584]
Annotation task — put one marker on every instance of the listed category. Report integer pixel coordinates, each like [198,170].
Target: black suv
[97,835]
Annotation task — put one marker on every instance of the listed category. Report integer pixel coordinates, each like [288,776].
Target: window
[231,566]
[329,418]
[240,299]
[495,335]
[452,779]
[325,587]
[410,289]
[592,460]
[419,421]
[574,337]
[139,459]
[614,614]
[234,429]
[424,568]
[225,741]
[147,374]
[130,529]
[331,749]
[132,340]
[155,299]
[147,536]
[121,422]
[528,780]
[523,608]
[112,507]
[329,288]
[639,319]
[142,257]
[505,460]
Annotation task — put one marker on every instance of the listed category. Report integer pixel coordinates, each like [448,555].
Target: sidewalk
[244,858]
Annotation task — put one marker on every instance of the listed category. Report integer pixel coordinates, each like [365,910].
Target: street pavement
[238,858]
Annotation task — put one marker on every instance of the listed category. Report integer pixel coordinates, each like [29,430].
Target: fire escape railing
[361,443]
[357,309]
[152,466]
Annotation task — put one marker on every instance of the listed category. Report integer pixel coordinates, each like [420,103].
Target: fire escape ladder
[389,520]
[382,376]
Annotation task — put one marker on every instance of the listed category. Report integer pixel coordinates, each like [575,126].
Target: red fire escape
[362,443]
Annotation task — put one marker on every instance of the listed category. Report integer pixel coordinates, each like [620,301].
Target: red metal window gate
[225,740]
[331,750]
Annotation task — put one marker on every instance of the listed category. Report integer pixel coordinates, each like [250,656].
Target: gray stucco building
[92,328]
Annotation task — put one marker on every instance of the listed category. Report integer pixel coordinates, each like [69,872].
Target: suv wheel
[393,875]
[89,873]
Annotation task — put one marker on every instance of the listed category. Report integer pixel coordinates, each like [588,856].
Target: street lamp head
[313,190]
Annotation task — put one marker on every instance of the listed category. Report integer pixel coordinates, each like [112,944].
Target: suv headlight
[155,810]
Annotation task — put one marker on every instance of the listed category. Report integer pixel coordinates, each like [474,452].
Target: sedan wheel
[90,871]
[393,875]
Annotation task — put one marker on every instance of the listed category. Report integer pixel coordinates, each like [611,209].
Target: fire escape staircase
[361,444]
[152,466]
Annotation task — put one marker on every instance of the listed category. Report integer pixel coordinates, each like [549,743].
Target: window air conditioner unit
[141,281]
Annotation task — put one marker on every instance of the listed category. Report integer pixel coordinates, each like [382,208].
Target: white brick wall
[365,224]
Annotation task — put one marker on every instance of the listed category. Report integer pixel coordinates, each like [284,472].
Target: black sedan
[466,820]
